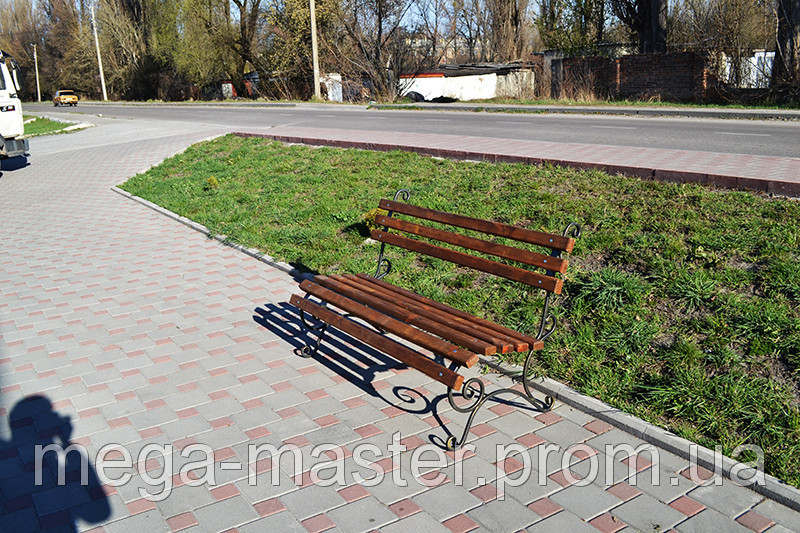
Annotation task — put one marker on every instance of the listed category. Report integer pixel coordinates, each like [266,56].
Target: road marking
[375,118]
[327,116]
[517,123]
[437,120]
[745,134]
[615,127]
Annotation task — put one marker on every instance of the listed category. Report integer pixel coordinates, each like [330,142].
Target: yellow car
[65,98]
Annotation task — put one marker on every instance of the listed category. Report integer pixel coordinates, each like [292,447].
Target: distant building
[753,72]
[471,82]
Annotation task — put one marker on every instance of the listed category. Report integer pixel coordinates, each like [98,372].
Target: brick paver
[122,326]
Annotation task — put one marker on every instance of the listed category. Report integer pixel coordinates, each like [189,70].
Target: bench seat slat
[507,252]
[549,240]
[534,343]
[402,353]
[439,320]
[342,300]
[451,328]
[533,279]
[503,339]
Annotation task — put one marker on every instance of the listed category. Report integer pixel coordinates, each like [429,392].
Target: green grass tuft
[43,126]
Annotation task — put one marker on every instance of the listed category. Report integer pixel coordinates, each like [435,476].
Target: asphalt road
[749,137]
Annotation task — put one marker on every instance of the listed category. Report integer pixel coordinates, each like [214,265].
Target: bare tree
[472,21]
[510,27]
[647,19]
[576,27]
[436,27]
[786,70]
[376,41]
[235,28]
[21,26]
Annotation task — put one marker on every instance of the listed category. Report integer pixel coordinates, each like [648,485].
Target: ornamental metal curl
[310,349]
[404,193]
[384,267]
[475,386]
[573,230]
[469,389]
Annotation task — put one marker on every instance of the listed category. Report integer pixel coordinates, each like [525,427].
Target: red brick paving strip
[460,524]
[607,523]
[756,522]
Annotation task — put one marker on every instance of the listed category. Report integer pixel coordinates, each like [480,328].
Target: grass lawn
[682,305]
[43,126]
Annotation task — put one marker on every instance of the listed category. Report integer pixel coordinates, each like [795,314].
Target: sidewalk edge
[773,488]
[223,239]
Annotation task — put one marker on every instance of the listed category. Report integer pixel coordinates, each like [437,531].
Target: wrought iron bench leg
[311,348]
[475,391]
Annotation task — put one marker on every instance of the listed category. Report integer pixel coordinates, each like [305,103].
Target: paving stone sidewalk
[122,326]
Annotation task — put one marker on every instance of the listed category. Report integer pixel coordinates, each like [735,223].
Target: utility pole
[99,59]
[314,56]
[36,67]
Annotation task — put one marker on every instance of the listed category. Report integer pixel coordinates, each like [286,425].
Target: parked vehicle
[11,127]
[65,98]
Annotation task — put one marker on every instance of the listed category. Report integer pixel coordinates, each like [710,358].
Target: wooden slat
[504,341]
[448,327]
[549,240]
[533,279]
[402,353]
[443,327]
[500,250]
[385,322]
[536,344]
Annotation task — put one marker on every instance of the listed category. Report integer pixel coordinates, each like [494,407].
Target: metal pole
[36,67]
[99,59]
[314,56]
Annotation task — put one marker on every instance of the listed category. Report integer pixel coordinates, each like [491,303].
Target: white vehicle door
[10,105]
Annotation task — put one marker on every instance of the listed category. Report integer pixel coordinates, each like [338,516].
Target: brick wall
[588,77]
[678,76]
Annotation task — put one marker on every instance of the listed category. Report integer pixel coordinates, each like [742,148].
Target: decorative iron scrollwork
[470,389]
[384,266]
[474,390]
[573,230]
[403,194]
[310,348]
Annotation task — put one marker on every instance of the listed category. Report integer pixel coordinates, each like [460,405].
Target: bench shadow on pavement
[350,358]
[33,497]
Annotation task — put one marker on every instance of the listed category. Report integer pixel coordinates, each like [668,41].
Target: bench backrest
[535,269]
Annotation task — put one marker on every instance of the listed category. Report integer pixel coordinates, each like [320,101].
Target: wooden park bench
[434,327]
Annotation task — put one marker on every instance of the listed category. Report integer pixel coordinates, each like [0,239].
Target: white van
[11,127]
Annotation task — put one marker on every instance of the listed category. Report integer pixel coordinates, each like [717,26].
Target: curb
[252,252]
[743,114]
[767,186]
[773,488]
[191,104]
[73,126]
